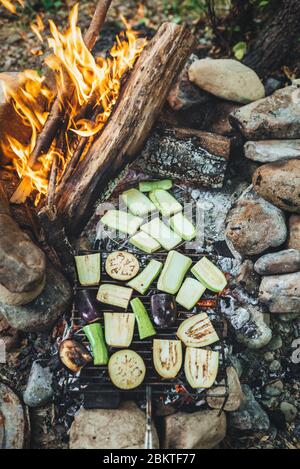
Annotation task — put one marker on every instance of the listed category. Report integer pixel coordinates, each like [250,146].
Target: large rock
[279,183]
[250,417]
[270,151]
[120,429]
[44,311]
[294,232]
[185,94]
[281,293]
[227,79]
[282,262]
[235,393]
[253,225]
[39,388]
[275,117]
[202,430]
[15,426]
[254,333]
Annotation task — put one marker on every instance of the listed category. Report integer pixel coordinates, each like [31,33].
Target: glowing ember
[9,5]
[95,85]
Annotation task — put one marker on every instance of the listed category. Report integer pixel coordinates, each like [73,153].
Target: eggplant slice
[163,309]
[121,265]
[74,355]
[197,331]
[201,367]
[126,369]
[167,357]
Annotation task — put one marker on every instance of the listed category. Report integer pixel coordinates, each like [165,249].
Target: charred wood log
[186,155]
[139,105]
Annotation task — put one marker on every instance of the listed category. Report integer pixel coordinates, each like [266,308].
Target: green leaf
[240,50]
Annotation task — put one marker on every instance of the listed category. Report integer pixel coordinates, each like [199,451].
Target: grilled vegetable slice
[165,202]
[197,331]
[144,242]
[175,268]
[149,186]
[95,336]
[201,367]
[190,293]
[163,309]
[162,233]
[114,295]
[142,282]
[126,369]
[119,328]
[85,304]
[209,274]
[122,265]
[183,227]
[88,269]
[145,325]
[74,355]
[122,221]
[167,357]
[137,203]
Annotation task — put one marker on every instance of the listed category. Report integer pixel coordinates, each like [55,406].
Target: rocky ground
[255,218]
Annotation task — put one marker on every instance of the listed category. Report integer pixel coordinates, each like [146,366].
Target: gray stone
[250,417]
[275,117]
[39,388]
[184,94]
[282,262]
[121,429]
[227,79]
[269,356]
[201,430]
[256,333]
[276,343]
[270,151]
[289,411]
[275,366]
[274,389]
[294,232]
[253,225]
[279,184]
[15,421]
[42,313]
[281,293]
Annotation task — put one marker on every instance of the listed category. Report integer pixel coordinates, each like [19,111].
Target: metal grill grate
[93,380]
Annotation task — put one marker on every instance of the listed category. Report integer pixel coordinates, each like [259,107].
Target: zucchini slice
[162,233]
[201,367]
[143,281]
[114,295]
[122,221]
[126,369]
[119,329]
[190,293]
[197,331]
[137,203]
[88,269]
[144,242]
[150,186]
[210,275]
[167,357]
[183,227]
[121,265]
[173,273]
[165,202]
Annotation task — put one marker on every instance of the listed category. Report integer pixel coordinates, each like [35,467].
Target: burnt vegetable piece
[163,310]
[197,331]
[95,336]
[145,325]
[85,304]
[167,357]
[121,265]
[126,369]
[74,355]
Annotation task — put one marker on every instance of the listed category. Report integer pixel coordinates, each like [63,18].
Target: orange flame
[96,81]
[10,6]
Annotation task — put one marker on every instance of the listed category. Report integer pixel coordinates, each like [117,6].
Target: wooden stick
[57,112]
[123,136]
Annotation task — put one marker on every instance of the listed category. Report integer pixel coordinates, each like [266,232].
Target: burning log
[187,155]
[139,105]
[57,115]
